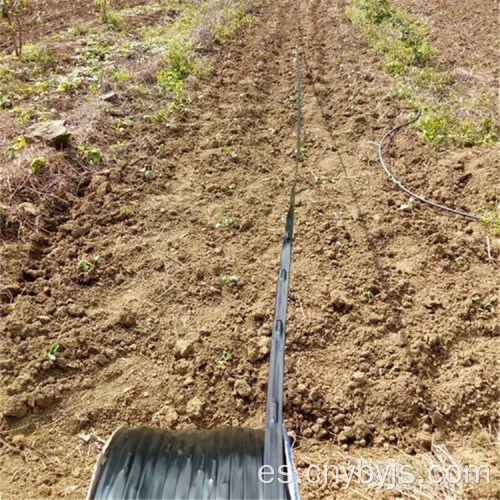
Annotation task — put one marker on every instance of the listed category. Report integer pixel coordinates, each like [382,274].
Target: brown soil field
[393,337]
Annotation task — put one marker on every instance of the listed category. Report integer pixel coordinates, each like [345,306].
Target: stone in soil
[53,132]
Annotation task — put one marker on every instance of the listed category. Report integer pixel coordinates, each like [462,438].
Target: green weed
[226,356]
[91,153]
[492,221]
[36,165]
[119,75]
[410,58]
[146,173]
[126,210]
[176,66]
[86,266]
[50,352]
[234,156]
[225,221]
[19,143]
[36,54]
[116,19]
[226,280]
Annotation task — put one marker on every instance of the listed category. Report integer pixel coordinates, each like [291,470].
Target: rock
[127,319]
[101,359]
[359,378]
[29,331]
[315,394]
[319,432]
[347,434]
[194,407]
[78,230]
[19,441]
[302,389]
[340,302]
[109,97]
[361,430]
[52,132]
[33,274]
[185,347]
[44,399]
[307,432]
[258,350]
[103,189]
[339,419]
[75,311]
[6,364]
[424,439]
[170,418]
[15,408]
[242,389]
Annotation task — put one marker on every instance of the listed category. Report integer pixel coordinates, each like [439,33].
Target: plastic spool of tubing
[222,464]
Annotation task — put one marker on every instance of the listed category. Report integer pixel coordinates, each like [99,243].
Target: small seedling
[234,156]
[225,357]
[289,99]
[231,186]
[490,304]
[86,266]
[146,173]
[225,280]
[367,293]
[36,165]
[50,352]
[91,153]
[225,220]
[460,261]
[492,221]
[125,210]
[19,143]
[122,124]
[119,75]
[407,207]
[324,180]
[303,151]
[335,213]
[395,370]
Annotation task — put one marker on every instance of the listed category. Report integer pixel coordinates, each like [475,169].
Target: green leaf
[85,265]
[36,165]
[19,143]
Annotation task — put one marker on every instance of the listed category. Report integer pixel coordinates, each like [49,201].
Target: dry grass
[439,457]
[31,201]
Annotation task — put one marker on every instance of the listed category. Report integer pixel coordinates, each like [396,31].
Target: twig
[301,308]
[175,260]
[488,246]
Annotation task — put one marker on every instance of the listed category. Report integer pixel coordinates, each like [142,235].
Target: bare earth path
[386,349]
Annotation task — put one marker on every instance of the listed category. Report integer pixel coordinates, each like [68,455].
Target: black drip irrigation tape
[273,440]
[402,186]
[221,464]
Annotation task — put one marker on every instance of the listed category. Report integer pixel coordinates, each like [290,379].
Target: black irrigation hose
[404,188]
[273,439]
